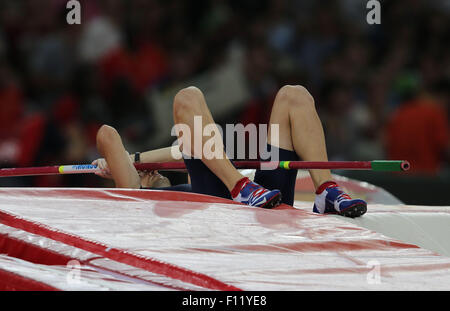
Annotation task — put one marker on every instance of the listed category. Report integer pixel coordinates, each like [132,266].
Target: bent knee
[106,135]
[187,99]
[295,94]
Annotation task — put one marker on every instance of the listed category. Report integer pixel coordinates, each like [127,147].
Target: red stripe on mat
[30,252]
[116,254]
[364,269]
[13,282]
[323,246]
[113,194]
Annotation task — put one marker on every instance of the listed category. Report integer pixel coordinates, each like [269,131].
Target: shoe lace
[343,196]
[259,192]
[250,186]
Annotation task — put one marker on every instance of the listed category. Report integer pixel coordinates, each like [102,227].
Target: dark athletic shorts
[205,182]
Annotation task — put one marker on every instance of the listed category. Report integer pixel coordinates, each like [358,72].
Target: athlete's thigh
[279,118]
[120,165]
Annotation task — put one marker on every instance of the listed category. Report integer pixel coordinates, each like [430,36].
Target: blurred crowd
[382,91]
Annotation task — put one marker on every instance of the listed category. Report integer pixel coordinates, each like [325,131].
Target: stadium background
[382,91]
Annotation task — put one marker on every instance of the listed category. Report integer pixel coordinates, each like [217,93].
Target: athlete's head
[153,179]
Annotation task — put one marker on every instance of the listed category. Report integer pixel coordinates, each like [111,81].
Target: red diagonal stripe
[116,254]
[10,281]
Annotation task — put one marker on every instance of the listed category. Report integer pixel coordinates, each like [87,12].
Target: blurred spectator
[11,113]
[419,131]
[11,99]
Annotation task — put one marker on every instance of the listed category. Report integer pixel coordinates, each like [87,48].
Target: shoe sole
[274,202]
[355,210]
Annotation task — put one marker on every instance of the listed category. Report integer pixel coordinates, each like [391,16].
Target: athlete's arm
[168,154]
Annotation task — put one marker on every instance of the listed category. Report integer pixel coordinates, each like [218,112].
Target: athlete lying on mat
[300,137]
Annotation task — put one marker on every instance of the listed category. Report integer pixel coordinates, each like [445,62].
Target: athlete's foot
[330,199]
[250,193]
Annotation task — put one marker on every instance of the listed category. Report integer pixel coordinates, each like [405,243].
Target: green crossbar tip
[392,166]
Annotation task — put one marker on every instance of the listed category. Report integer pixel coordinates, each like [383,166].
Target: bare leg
[110,146]
[190,103]
[300,128]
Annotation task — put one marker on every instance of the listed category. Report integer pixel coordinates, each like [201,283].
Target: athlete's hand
[104,169]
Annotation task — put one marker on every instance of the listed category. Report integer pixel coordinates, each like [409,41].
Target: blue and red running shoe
[330,199]
[250,193]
